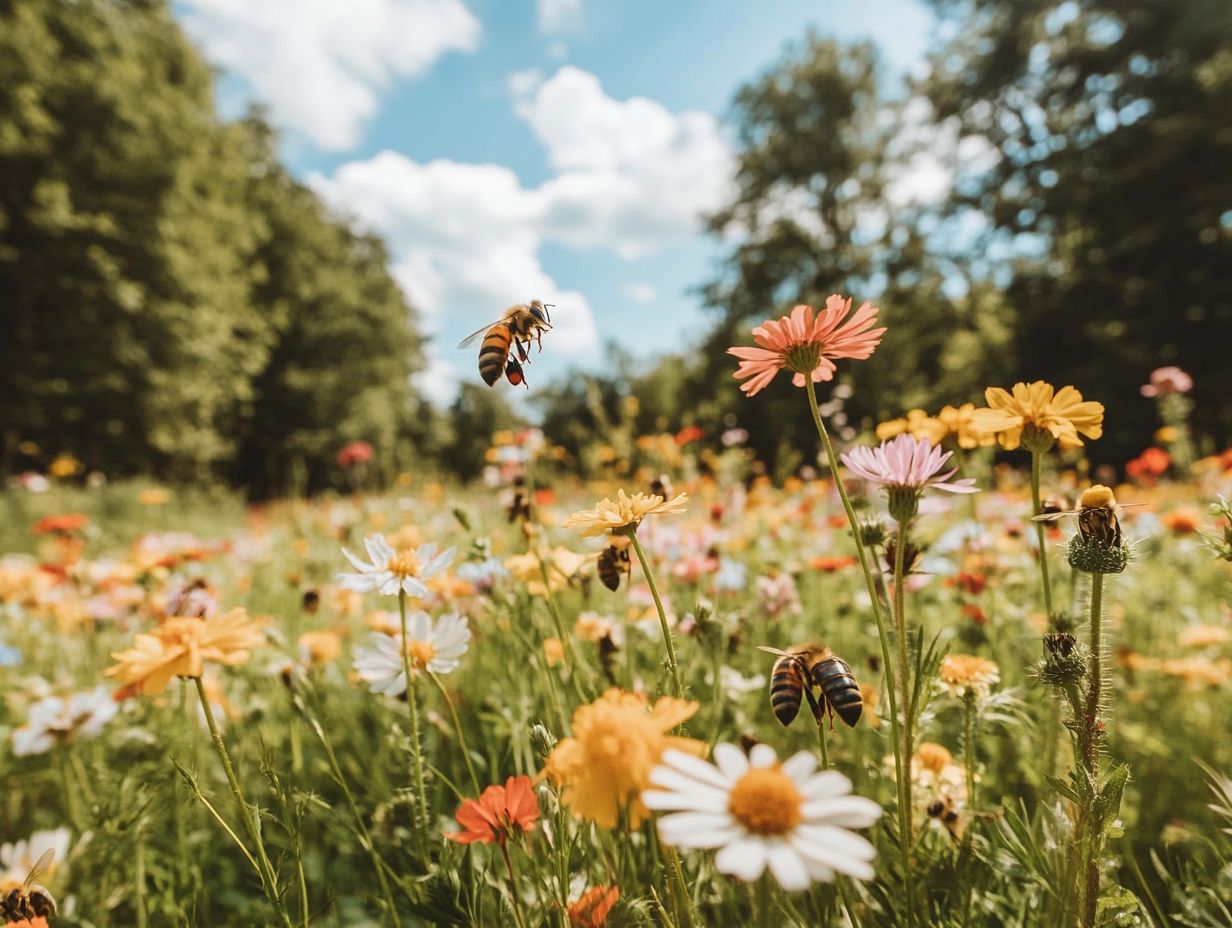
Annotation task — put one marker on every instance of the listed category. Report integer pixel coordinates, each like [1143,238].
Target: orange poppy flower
[593,906]
[495,814]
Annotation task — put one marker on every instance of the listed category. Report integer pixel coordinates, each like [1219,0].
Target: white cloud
[633,176]
[640,293]
[320,64]
[558,15]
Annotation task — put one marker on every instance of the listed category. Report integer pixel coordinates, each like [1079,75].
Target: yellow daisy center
[766,801]
[403,564]
[421,653]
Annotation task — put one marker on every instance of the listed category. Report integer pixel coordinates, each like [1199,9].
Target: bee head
[539,310]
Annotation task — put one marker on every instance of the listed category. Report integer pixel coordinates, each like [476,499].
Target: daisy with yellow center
[436,647]
[623,515]
[389,569]
[617,740]
[965,673]
[761,814]
[182,646]
[1037,414]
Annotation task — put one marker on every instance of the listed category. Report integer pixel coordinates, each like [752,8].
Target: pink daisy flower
[1166,380]
[807,343]
[906,463]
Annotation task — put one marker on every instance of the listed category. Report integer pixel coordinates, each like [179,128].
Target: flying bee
[804,668]
[30,900]
[613,562]
[507,336]
[1097,516]
[661,486]
[946,812]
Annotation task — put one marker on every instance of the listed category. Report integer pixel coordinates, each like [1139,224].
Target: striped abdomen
[493,352]
[833,676]
[786,689]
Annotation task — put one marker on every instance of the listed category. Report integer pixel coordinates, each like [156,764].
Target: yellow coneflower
[617,740]
[624,514]
[1039,409]
[182,646]
[965,673]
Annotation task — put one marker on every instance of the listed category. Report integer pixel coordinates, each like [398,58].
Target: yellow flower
[959,421]
[1199,672]
[1037,408]
[623,515]
[617,740]
[65,465]
[966,673]
[917,424]
[1204,636]
[154,496]
[1166,435]
[553,651]
[320,648]
[562,566]
[181,647]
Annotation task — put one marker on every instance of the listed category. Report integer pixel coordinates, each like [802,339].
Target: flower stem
[821,743]
[412,705]
[513,886]
[1036,508]
[457,727]
[763,902]
[883,637]
[969,747]
[667,633]
[904,677]
[265,868]
[1090,753]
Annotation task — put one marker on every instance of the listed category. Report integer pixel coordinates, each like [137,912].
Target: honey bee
[29,900]
[946,812]
[511,333]
[798,671]
[613,562]
[1097,516]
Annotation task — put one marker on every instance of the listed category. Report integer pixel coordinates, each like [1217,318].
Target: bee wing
[1130,505]
[770,650]
[41,866]
[470,339]
[1053,516]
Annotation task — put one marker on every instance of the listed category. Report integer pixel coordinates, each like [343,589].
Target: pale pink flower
[1165,380]
[807,343]
[906,463]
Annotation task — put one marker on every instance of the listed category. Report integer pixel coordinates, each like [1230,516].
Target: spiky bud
[542,740]
[1062,670]
[872,533]
[1090,556]
[1060,644]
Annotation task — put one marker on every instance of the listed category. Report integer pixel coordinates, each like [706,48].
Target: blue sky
[560,149]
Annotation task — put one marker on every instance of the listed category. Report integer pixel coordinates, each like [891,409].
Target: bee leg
[817,710]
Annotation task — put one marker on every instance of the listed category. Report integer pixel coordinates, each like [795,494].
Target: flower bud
[1037,440]
[872,533]
[904,503]
[542,740]
[1090,556]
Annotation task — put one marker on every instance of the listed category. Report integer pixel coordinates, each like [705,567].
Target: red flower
[831,564]
[688,434]
[61,525]
[1153,462]
[593,906]
[356,452]
[494,815]
[974,613]
[969,583]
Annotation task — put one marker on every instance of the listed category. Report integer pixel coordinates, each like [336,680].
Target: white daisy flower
[54,720]
[19,857]
[390,570]
[760,813]
[437,647]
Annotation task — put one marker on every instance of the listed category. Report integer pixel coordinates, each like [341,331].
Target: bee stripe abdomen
[786,690]
[835,679]
[492,354]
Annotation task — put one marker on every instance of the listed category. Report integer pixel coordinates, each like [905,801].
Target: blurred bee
[1097,516]
[798,671]
[662,486]
[518,507]
[946,812]
[514,330]
[613,563]
[29,900]
[1054,506]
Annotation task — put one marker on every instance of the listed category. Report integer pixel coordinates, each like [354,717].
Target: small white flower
[437,647]
[18,858]
[761,813]
[390,570]
[737,684]
[54,720]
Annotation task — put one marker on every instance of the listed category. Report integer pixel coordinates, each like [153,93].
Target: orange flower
[1153,462]
[806,343]
[61,525]
[593,906]
[1182,521]
[181,646]
[831,564]
[495,815]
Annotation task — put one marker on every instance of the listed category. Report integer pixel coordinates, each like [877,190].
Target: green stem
[266,869]
[667,633]
[821,743]
[139,880]
[904,682]
[513,886]
[1036,508]
[969,747]
[763,902]
[457,727]
[412,705]
[883,637]
[1090,753]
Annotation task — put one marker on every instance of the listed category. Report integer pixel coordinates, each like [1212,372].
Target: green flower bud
[1037,440]
[1089,556]
[904,503]
[542,740]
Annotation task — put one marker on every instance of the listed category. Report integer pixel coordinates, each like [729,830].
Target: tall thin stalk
[457,727]
[900,772]
[1092,725]
[904,681]
[1036,509]
[412,705]
[667,632]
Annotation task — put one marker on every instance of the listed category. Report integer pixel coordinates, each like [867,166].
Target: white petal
[419,626]
[414,588]
[379,551]
[844,811]
[356,562]
[818,871]
[436,564]
[731,761]
[698,829]
[788,868]
[689,794]
[745,859]
[697,768]
[762,755]
[800,767]
[825,785]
